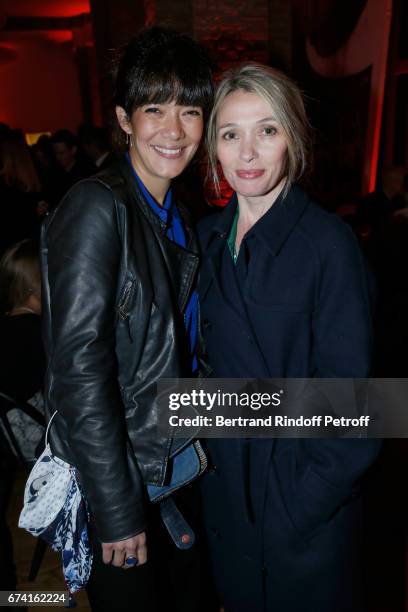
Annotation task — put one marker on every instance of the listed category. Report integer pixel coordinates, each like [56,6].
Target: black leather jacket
[114,290]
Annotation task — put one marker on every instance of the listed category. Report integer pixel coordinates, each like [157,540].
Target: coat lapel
[183,266]
[213,242]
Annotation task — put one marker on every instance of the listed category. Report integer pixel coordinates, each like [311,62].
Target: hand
[117,552]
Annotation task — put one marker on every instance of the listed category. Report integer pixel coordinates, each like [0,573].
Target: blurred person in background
[387,251]
[22,368]
[20,191]
[96,144]
[21,353]
[73,166]
[5,130]
[375,209]
[47,169]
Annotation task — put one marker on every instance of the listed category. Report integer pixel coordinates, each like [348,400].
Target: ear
[123,119]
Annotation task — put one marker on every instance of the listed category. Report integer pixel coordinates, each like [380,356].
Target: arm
[84,251]
[342,336]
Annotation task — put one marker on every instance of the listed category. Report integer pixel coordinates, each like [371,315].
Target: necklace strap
[48,427]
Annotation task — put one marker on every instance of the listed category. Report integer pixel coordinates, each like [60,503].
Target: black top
[22,360]
[18,216]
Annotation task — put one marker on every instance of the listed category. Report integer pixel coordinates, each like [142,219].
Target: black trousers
[172,580]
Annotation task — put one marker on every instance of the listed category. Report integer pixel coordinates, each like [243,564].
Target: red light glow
[7,53]
[45,8]
[58,36]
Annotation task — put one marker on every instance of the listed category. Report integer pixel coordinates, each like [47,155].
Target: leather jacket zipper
[121,309]
[188,291]
[123,305]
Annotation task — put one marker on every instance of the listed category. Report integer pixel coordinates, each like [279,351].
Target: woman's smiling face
[164,139]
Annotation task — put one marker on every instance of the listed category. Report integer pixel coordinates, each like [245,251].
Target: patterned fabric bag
[55,509]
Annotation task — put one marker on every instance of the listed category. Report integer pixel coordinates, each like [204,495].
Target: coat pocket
[306,515]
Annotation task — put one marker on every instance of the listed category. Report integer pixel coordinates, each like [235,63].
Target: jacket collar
[272,229]
[136,192]
[131,185]
[223,219]
[182,263]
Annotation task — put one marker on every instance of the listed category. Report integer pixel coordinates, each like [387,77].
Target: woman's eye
[229,136]
[152,109]
[194,112]
[269,130]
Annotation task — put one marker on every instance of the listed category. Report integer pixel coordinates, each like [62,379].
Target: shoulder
[86,217]
[213,221]
[100,191]
[324,230]
[206,224]
[87,194]
[89,201]
[206,228]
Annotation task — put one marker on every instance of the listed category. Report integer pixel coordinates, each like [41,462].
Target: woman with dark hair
[120,312]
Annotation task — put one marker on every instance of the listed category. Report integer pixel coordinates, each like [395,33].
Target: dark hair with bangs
[161,65]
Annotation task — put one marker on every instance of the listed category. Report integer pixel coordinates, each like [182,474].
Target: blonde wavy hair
[286,101]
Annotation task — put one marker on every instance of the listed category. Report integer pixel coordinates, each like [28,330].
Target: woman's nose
[173,127]
[248,150]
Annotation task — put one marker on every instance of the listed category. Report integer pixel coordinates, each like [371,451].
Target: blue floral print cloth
[55,509]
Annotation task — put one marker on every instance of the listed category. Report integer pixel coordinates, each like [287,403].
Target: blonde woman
[283,294]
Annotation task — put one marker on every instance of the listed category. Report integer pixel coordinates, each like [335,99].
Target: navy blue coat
[283,517]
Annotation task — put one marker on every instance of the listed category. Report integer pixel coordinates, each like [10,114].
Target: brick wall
[177,14]
[280,34]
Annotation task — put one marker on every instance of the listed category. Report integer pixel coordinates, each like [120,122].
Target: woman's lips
[168,153]
[249,174]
